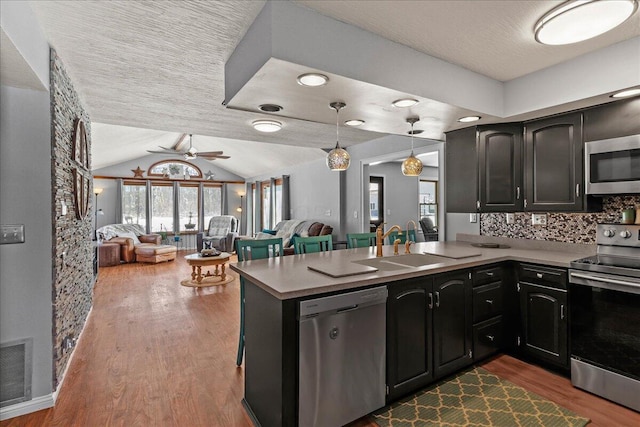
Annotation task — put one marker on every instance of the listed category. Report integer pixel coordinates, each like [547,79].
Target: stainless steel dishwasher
[342,357]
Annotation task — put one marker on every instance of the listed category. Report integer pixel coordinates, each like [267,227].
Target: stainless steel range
[604,298]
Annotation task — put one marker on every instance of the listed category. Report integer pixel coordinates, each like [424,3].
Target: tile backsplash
[561,227]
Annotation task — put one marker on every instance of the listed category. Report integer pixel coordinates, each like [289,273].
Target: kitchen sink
[397,262]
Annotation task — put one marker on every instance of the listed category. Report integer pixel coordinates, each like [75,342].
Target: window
[265,194]
[134,203]
[212,202]
[429,200]
[161,207]
[188,207]
[277,209]
[174,168]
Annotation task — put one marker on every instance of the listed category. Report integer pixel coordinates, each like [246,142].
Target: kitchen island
[275,287]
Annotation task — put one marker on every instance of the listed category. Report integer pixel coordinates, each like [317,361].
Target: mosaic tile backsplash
[561,227]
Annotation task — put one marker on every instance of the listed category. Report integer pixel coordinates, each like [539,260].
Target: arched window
[174,169]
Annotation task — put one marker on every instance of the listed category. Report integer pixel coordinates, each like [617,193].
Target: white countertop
[288,277]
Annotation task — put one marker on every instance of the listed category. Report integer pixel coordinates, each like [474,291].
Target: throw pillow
[218,231]
[136,241]
[272,232]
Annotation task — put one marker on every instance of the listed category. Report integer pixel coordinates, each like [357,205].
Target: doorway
[376,202]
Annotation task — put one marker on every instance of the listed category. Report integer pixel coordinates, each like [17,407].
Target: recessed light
[468,119]
[415,132]
[355,122]
[312,79]
[578,20]
[267,125]
[404,102]
[626,93]
[270,108]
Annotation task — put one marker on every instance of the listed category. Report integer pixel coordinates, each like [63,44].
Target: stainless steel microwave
[612,166]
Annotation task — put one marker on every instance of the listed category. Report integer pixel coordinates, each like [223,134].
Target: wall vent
[16,358]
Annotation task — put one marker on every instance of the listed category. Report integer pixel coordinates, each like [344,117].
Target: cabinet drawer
[488,337]
[485,275]
[552,277]
[487,301]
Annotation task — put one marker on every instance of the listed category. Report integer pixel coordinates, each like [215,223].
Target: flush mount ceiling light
[404,102]
[626,93]
[412,166]
[267,125]
[312,79]
[338,159]
[578,20]
[468,119]
[355,122]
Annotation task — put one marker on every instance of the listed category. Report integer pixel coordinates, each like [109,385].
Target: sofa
[290,228]
[128,236]
[220,234]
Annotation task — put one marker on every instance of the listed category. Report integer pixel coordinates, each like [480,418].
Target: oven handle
[604,282]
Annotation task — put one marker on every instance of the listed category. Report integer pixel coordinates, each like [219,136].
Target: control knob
[609,233]
[625,234]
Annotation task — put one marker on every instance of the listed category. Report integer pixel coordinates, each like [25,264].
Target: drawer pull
[489,273]
[491,337]
[539,275]
[489,301]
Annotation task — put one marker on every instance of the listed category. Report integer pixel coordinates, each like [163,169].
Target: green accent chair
[361,240]
[248,250]
[307,245]
[402,236]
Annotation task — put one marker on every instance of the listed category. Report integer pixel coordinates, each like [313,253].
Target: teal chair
[248,250]
[402,235]
[307,245]
[361,240]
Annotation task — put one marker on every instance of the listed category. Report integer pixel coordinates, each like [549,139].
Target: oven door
[605,321]
[612,166]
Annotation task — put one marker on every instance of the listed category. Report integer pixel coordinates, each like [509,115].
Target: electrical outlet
[355,214]
[327,212]
[539,219]
[511,218]
[473,217]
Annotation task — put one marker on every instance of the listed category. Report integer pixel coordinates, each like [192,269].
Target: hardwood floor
[154,353]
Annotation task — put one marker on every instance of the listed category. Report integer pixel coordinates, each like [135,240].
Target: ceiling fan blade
[209,153]
[170,153]
[213,157]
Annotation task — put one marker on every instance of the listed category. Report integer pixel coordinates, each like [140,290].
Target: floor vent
[15,371]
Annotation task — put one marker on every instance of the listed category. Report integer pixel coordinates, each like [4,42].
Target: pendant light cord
[412,138]
[337,127]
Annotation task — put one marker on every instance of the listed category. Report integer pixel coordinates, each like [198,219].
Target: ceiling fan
[191,153]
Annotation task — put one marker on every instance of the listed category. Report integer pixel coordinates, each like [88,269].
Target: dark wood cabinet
[543,314]
[500,168]
[461,171]
[489,330]
[429,330]
[612,120]
[554,156]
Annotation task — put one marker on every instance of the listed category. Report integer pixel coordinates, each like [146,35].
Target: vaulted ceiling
[160,65]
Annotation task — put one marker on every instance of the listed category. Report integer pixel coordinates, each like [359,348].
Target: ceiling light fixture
[355,122]
[468,119]
[626,93]
[578,20]
[267,125]
[412,166]
[312,79]
[404,102]
[338,159]
[270,108]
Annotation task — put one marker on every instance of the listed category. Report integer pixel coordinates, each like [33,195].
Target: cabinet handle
[430,300]
[539,275]
[490,337]
[489,301]
[525,203]
[488,273]
[478,204]
[517,193]
[437,299]
[577,190]
[561,311]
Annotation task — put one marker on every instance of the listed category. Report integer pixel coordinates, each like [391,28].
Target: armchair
[428,230]
[221,233]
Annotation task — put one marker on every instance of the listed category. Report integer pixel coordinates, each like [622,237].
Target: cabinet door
[461,172]
[544,323]
[554,164]
[409,339]
[500,168]
[452,322]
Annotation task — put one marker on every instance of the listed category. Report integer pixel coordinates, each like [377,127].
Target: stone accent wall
[72,238]
[561,227]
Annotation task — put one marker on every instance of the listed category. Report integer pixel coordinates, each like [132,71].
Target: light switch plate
[538,219]
[11,233]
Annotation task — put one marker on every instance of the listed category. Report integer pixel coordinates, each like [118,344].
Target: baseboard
[23,408]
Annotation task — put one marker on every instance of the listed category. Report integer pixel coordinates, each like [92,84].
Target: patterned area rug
[476,398]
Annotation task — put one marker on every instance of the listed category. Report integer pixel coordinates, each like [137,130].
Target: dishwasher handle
[349,308]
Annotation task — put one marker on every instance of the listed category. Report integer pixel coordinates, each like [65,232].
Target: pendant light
[412,166]
[338,159]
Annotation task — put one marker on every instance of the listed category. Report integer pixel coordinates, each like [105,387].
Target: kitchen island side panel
[270,363]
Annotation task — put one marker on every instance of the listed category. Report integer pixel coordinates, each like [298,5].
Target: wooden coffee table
[218,277]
